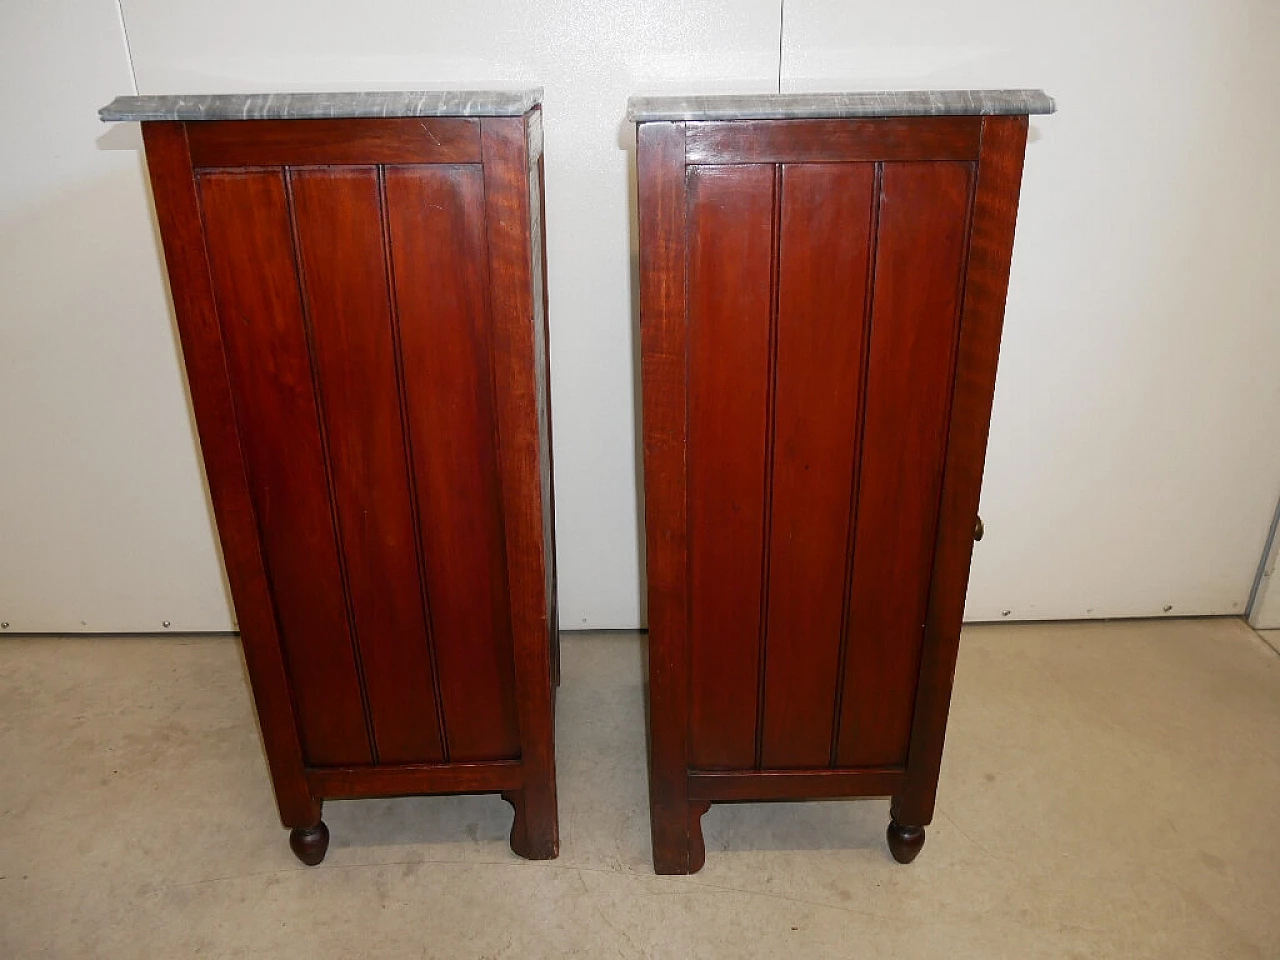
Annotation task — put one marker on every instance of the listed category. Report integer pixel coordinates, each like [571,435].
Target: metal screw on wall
[166,624]
[5,625]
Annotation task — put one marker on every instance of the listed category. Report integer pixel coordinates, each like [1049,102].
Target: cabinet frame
[680,794]
[509,149]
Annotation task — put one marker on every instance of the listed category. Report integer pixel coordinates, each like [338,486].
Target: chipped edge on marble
[309,106]
[811,106]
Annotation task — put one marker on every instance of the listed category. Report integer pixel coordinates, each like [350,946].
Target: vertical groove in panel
[411,479]
[729,211]
[337,217]
[823,251]
[328,466]
[857,467]
[915,320]
[245,220]
[770,437]
[436,225]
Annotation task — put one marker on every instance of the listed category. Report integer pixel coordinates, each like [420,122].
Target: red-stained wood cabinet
[359,289]
[822,291]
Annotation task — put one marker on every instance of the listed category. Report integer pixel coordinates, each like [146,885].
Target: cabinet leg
[904,841]
[310,844]
[677,837]
[535,833]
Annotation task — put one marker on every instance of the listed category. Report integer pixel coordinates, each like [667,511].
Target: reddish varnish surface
[821,304]
[356,300]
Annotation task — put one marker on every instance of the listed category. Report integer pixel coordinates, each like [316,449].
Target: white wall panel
[1135,448]
[1135,456]
[103,518]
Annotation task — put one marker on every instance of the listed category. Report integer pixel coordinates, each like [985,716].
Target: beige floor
[1109,790]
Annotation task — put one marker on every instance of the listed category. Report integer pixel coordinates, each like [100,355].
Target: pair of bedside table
[359,283]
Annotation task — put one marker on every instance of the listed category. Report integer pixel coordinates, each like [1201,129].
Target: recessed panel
[437,230]
[251,261]
[920,253]
[730,292]
[824,248]
[338,222]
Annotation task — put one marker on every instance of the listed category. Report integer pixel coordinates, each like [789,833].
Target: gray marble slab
[894,103]
[311,106]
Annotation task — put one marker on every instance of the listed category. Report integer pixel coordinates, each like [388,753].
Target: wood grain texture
[914,319]
[995,210]
[177,211]
[803,340]
[338,223]
[520,405]
[824,252]
[727,786]
[367,352]
[414,778]
[663,363]
[436,216]
[269,143]
[255,284]
[833,141]
[730,374]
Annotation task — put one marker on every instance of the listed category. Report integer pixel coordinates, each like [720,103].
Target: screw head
[1168,607]
[166,624]
[1005,613]
[4,625]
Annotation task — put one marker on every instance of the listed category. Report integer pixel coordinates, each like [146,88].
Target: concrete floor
[1109,790]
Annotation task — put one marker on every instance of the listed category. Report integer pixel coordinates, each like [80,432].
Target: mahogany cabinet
[359,287]
[822,287]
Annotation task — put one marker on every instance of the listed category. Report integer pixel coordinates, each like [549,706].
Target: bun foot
[904,842]
[310,844]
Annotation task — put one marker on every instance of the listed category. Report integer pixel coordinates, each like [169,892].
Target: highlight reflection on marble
[313,106]
[809,106]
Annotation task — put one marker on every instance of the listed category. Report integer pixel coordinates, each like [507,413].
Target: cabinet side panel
[919,257]
[338,223]
[256,286]
[436,217]
[824,251]
[730,293]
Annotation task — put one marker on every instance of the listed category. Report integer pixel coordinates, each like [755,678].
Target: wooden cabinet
[822,290]
[359,288]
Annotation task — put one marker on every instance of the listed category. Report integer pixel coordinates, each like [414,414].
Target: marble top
[893,103]
[311,106]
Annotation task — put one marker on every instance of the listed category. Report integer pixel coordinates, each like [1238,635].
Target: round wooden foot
[310,844]
[904,842]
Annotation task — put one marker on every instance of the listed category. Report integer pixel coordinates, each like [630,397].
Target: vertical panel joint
[397,345]
[309,333]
